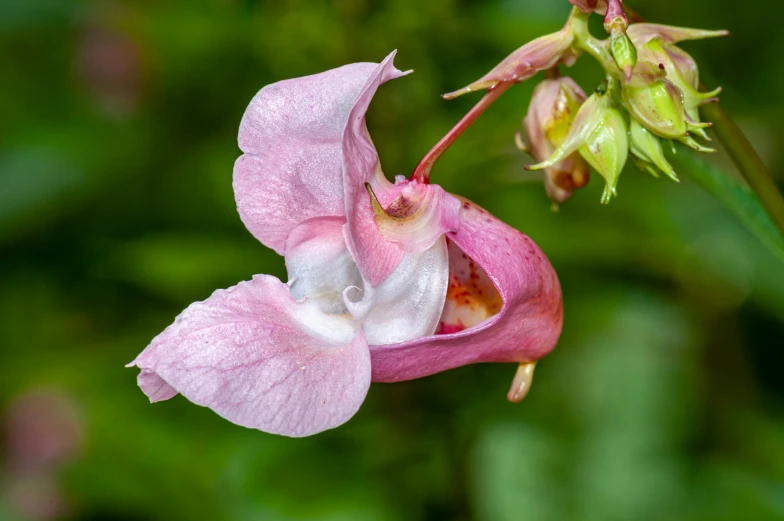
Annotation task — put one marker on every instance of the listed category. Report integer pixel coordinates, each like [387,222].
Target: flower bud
[659,107]
[648,149]
[656,44]
[537,55]
[623,50]
[682,71]
[554,104]
[607,149]
[600,134]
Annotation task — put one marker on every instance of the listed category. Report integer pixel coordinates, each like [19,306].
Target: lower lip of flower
[471,297]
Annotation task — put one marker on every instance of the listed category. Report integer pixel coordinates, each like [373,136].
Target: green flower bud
[600,134]
[683,73]
[648,149]
[607,149]
[659,107]
[623,50]
[658,44]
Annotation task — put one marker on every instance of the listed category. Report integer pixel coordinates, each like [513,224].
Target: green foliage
[119,121]
[737,197]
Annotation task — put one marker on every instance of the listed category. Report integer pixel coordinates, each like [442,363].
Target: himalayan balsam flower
[387,281]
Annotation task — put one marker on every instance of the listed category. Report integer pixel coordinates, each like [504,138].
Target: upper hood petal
[291,136]
[385,220]
[526,328]
[260,359]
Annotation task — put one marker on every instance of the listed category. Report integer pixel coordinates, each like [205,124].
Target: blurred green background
[118,123]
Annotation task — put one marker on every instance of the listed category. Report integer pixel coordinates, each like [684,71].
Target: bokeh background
[118,123]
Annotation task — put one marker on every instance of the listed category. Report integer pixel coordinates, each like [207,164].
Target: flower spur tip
[521,384]
[521,145]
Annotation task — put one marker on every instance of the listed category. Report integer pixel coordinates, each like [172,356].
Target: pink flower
[387,281]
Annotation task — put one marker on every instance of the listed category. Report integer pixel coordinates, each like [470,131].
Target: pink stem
[615,11]
[422,171]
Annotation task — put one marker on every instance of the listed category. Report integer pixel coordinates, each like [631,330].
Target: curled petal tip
[381,215]
[377,208]
[456,94]
[645,32]
[470,88]
[520,143]
[712,95]
[693,144]
[608,193]
[521,383]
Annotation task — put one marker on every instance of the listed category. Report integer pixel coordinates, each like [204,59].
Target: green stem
[748,162]
[584,40]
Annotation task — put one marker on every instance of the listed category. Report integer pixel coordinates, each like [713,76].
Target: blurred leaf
[184,267]
[119,219]
[735,195]
[33,184]
[15,14]
[514,476]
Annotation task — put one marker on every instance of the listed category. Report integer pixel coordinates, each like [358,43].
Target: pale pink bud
[554,104]
[537,55]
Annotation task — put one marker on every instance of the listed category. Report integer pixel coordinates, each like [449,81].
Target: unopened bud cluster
[651,96]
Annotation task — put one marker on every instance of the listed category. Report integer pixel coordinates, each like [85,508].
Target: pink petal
[375,257]
[526,328]
[291,136]
[471,294]
[156,389]
[431,210]
[262,360]
[407,218]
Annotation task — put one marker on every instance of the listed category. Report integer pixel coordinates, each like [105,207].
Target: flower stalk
[423,169]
